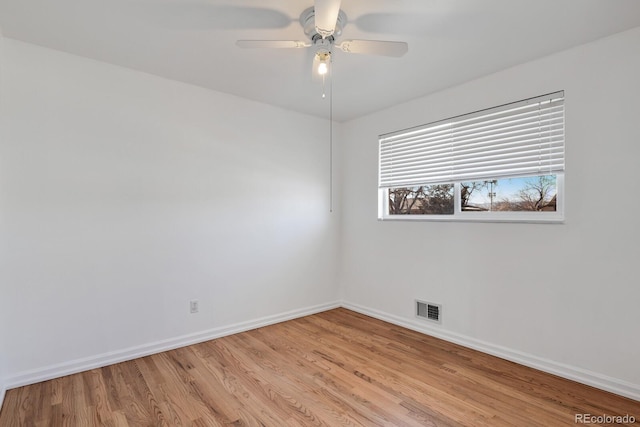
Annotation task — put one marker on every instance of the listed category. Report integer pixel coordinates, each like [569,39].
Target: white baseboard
[594,379]
[583,376]
[2,393]
[105,359]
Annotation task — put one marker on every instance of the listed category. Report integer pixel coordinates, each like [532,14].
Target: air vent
[429,311]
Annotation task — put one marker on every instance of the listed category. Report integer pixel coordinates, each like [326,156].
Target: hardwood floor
[330,369]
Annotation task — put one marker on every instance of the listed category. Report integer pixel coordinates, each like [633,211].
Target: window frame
[458,215]
[387,178]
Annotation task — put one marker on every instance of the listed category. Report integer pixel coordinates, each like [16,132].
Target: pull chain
[330,137]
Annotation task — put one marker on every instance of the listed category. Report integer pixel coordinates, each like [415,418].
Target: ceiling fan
[323,23]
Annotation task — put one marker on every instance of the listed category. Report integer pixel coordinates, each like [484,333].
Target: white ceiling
[193,41]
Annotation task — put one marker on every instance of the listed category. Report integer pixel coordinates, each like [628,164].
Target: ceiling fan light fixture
[323,68]
[322,61]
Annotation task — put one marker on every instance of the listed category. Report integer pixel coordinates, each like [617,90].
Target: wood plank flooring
[336,368]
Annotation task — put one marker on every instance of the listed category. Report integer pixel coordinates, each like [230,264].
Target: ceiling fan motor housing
[323,45]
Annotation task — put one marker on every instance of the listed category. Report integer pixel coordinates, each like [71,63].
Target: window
[501,164]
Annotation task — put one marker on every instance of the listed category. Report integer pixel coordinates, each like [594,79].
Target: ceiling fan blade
[326,14]
[203,15]
[271,44]
[374,47]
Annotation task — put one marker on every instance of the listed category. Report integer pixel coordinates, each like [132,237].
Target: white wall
[124,195]
[561,297]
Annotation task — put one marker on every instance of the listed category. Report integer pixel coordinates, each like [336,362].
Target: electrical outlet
[193,306]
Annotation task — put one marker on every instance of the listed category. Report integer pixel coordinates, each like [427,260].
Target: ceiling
[193,41]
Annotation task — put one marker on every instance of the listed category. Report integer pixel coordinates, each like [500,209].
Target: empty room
[319,212]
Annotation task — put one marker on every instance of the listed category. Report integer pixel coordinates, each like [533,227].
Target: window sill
[536,218]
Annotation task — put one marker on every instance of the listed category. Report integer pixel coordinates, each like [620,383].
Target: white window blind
[519,139]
